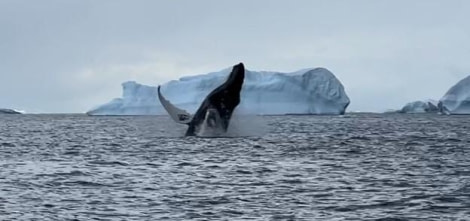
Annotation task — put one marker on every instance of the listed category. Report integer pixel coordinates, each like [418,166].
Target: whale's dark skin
[224,99]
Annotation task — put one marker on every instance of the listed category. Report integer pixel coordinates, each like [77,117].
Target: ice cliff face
[311,91]
[417,107]
[457,99]
[137,99]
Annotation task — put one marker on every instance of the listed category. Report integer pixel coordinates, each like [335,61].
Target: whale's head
[235,79]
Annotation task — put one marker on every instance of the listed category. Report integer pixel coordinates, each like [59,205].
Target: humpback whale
[217,108]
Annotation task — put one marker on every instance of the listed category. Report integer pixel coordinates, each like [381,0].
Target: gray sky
[69,56]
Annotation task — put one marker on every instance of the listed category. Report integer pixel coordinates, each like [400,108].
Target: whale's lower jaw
[212,125]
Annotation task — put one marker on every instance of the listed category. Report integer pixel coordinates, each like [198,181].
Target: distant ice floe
[10,111]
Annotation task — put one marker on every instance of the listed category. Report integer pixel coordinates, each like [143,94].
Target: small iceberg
[9,111]
[457,99]
[420,107]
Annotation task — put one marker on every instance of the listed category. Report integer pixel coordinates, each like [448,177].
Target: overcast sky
[70,56]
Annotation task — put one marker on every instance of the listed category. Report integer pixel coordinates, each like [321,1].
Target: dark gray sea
[352,167]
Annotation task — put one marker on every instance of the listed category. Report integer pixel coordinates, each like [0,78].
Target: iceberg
[8,111]
[457,99]
[309,91]
[417,107]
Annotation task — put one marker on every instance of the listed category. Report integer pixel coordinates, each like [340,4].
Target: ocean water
[352,167]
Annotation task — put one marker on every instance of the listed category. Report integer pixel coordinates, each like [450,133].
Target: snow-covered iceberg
[418,107]
[309,91]
[8,111]
[457,99]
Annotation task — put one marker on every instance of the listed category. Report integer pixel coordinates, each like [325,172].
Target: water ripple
[356,167]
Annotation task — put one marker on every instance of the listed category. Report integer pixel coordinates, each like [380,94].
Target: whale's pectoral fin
[179,115]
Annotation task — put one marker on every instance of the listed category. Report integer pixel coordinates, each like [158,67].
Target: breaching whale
[217,108]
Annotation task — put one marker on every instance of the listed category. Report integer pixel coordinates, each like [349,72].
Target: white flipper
[179,115]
